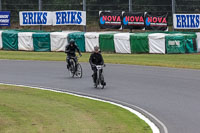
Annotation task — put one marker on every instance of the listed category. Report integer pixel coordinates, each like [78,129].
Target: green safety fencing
[41,41]
[175,44]
[79,39]
[181,43]
[106,42]
[10,40]
[139,43]
[191,44]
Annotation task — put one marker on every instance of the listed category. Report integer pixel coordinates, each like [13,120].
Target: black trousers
[71,57]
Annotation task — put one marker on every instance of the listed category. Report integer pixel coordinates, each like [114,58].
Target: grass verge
[27,110]
[191,61]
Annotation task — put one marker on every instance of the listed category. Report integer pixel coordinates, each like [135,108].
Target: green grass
[191,61]
[27,110]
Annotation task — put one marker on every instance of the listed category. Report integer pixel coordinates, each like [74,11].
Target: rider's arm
[76,47]
[90,60]
[67,49]
[102,61]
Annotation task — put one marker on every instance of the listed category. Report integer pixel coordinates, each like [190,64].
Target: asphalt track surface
[171,95]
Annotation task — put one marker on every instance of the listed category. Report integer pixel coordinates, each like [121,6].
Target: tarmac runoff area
[169,94]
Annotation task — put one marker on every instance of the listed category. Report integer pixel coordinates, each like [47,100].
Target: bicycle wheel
[79,72]
[102,81]
[72,68]
[96,83]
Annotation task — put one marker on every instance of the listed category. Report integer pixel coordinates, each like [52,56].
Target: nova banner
[133,20]
[156,21]
[186,21]
[110,20]
[4,18]
[73,17]
[69,18]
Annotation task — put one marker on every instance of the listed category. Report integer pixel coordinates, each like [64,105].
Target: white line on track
[154,128]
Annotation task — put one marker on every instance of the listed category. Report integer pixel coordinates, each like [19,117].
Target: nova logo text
[110,19]
[156,21]
[132,19]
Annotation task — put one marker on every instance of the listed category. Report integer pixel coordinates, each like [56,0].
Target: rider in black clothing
[70,50]
[96,59]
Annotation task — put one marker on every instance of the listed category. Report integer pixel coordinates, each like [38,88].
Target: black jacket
[71,50]
[96,59]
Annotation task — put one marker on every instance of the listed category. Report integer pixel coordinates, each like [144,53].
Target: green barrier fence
[175,44]
[191,45]
[41,41]
[181,43]
[79,39]
[10,40]
[106,42]
[139,43]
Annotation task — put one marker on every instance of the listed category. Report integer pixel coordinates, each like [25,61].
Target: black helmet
[96,48]
[72,41]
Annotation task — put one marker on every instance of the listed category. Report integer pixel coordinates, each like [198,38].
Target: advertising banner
[52,18]
[69,18]
[4,18]
[133,20]
[156,21]
[110,20]
[186,21]
[28,18]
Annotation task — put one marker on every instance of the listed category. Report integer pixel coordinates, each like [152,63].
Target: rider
[70,50]
[96,59]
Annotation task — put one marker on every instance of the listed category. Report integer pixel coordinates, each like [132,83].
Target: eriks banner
[69,18]
[28,18]
[186,21]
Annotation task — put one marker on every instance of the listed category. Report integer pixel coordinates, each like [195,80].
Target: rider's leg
[94,74]
[75,60]
[68,62]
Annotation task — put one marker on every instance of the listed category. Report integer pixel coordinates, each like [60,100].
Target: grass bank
[27,110]
[191,61]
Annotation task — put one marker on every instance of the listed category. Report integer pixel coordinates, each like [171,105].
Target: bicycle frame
[99,75]
[99,68]
[73,62]
[74,65]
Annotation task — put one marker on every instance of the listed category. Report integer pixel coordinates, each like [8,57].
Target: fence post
[40,9]
[0,10]
[0,6]
[130,5]
[130,9]
[84,9]
[173,11]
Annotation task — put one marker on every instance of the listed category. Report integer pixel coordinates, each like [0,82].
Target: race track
[171,95]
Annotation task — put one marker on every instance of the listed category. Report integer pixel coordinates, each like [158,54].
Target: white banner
[186,21]
[52,18]
[35,18]
[69,18]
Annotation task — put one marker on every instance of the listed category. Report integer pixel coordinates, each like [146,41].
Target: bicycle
[100,78]
[75,68]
